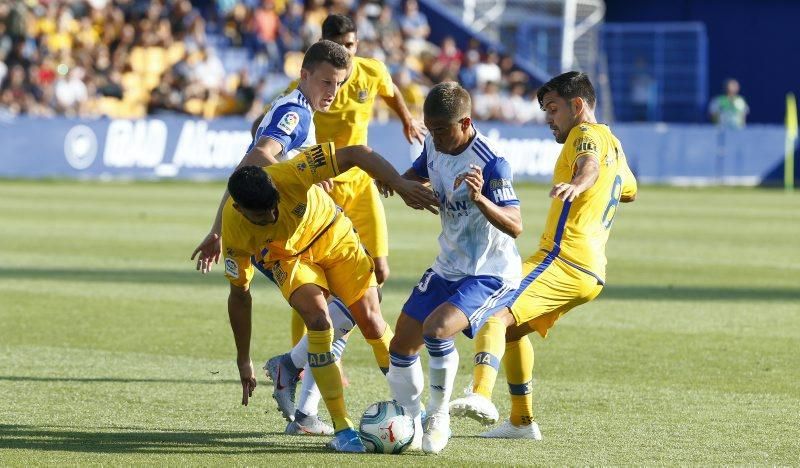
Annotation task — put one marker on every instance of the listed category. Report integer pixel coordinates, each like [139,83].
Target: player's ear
[578,105]
[304,73]
[466,122]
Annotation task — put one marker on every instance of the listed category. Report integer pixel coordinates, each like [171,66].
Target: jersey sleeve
[385,83]
[238,267]
[585,144]
[420,165]
[629,185]
[309,167]
[497,183]
[288,126]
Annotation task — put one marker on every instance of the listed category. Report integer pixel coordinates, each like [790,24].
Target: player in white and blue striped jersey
[478,266]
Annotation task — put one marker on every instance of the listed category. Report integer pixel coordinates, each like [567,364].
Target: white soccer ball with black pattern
[386,428]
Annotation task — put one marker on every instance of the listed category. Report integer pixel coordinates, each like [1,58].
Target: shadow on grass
[403,284]
[15,378]
[117,440]
[698,293]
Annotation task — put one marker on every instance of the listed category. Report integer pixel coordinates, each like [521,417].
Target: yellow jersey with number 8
[577,231]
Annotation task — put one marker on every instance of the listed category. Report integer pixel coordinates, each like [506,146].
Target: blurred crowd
[131,58]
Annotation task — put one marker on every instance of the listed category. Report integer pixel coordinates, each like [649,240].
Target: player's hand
[417,196]
[384,189]
[327,185]
[414,130]
[474,180]
[248,378]
[209,251]
[564,192]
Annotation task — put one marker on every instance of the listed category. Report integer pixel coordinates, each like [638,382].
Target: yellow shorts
[361,202]
[336,262]
[550,288]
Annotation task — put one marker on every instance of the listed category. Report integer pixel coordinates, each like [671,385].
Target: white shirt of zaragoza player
[290,122]
[469,244]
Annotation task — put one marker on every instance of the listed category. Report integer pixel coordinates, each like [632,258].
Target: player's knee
[317,321]
[435,327]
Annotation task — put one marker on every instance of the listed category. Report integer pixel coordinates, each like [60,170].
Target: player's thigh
[407,339]
[293,272]
[477,298]
[430,292]
[348,269]
[549,290]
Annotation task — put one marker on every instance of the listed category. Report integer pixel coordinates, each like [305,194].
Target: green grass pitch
[113,350]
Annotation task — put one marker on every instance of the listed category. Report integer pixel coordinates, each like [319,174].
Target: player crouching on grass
[590,178]
[292,227]
[477,268]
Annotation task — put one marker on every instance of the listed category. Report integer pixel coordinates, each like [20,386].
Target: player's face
[561,115]
[258,217]
[448,136]
[349,41]
[322,84]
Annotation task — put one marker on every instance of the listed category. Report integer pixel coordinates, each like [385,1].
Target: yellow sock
[380,348]
[518,363]
[328,376]
[489,344]
[298,328]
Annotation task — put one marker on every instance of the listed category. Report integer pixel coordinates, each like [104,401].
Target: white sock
[342,323]
[443,367]
[406,382]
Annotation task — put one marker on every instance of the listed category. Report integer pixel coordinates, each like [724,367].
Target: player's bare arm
[413,129]
[587,169]
[413,193]
[262,154]
[240,306]
[508,219]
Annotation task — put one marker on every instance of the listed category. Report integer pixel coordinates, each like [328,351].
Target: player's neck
[300,89]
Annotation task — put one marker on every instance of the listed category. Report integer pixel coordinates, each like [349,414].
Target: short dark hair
[326,51]
[256,123]
[337,26]
[448,100]
[252,188]
[569,85]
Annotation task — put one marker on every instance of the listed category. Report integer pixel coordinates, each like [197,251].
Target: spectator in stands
[415,28]
[729,110]
[291,30]
[71,93]
[387,28]
[448,62]
[468,75]
[488,69]
[209,70]
[487,103]
[522,108]
[644,92]
[366,29]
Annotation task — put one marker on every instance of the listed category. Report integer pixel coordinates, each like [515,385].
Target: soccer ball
[386,428]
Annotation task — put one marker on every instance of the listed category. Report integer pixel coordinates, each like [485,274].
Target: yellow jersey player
[277,218]
[591,177]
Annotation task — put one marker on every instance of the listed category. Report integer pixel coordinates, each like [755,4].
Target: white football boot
[510,431]
[416,442]
[477,407]
[437,433]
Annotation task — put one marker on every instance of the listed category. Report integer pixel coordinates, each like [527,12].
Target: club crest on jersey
[315,158]
[301,167]
[363,95]
[289,122]
[231,268]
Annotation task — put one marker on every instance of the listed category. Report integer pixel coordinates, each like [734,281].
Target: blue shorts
[479,297]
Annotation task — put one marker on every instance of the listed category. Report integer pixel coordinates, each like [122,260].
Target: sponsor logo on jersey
[315,158]
[289,122]
[585,144]
[231,268]
[299,210]
[278,274]
[502,190]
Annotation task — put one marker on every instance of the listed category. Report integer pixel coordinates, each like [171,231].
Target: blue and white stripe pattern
[439,347]
[468,244]
[498,298]
[401,360]
[303,133]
